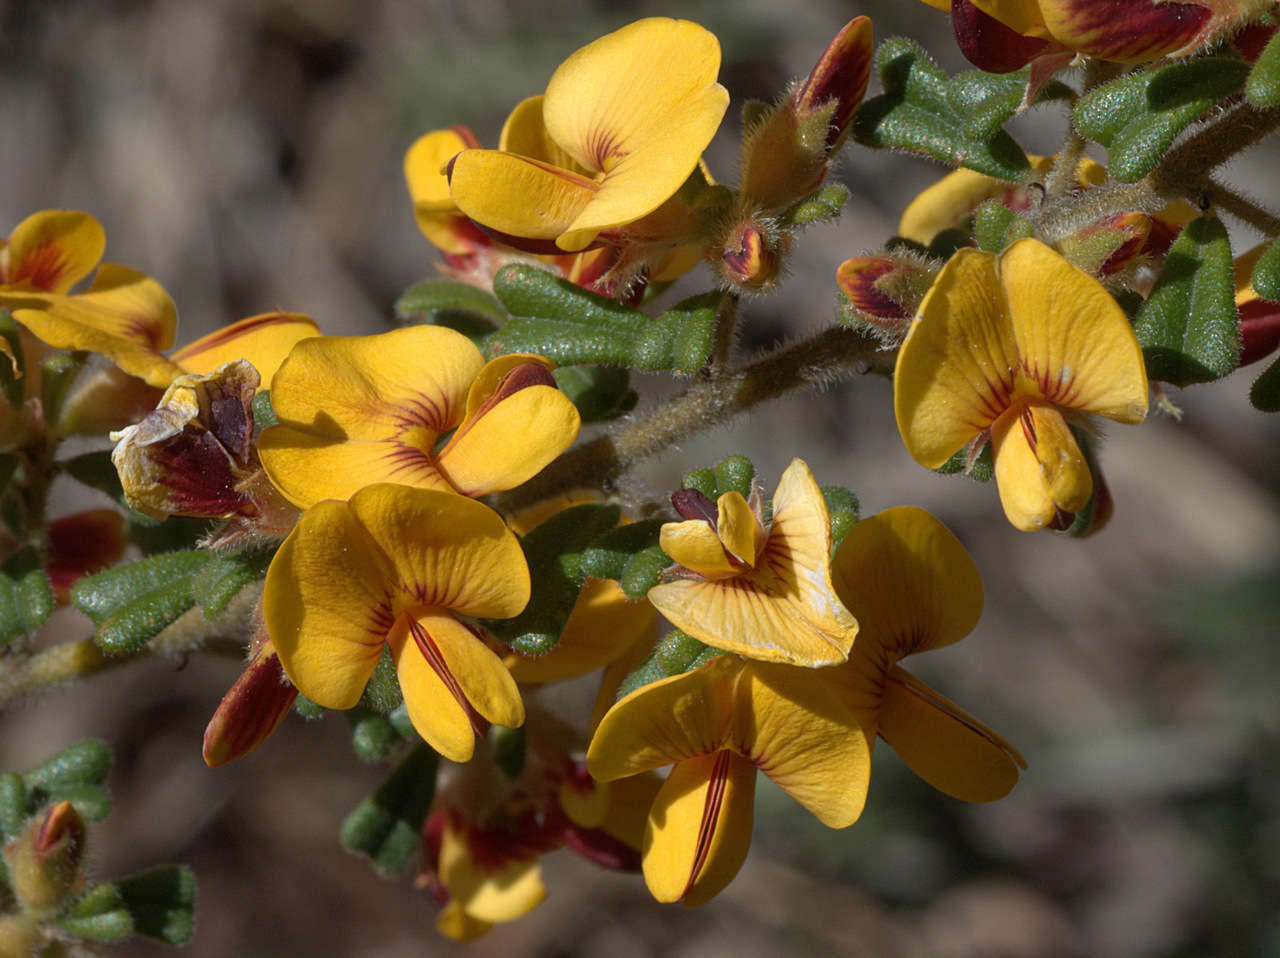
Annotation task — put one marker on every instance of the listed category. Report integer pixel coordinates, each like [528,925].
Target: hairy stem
[1229,201]
[23,677]
[726,326]
[831,354]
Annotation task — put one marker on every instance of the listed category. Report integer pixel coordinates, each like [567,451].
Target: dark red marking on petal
[711,808]
[841,74]
[431,652]
[250,711]
[1259,330]
[692,504]
[1132,30]
[42,267]
[80,544]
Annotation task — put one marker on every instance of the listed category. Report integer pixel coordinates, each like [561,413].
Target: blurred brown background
[248,155]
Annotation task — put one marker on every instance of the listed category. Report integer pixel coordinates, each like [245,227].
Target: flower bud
[884,292]
[81,544]
[840,76]
[251,710]
[750,257]
[44,860]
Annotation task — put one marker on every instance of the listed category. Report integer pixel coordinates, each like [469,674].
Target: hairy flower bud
[44,860]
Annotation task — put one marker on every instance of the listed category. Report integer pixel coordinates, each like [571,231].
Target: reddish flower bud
[750,258]
[1259,330]
[44,860]
[884,292]
[840,77]
[250,711]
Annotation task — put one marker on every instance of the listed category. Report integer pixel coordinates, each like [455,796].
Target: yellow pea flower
[627,118]
[359,410]
[914,588]
[1010,347]
[390,568]
[762,593]
[717,725]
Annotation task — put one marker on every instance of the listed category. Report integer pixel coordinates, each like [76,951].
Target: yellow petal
[433,209]
[783,610]
[327,605]
[1074,340]
[516,196]
[667,721]
[909,581]
[489,896]
[616,673]
[956,369]
[696,546]
[699,828]
[53,250]
[125,316]
[448,551]
[308,468]
[1039,467]
[450,679]
[629,802]
[512,441]
[526,134]
[738,528]
[639,105]
[264,341]
[456,925]
[374,387]
[790,724]
[949,749]
[602,626]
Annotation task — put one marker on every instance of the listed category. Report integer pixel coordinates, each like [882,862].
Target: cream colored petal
[699,828]
[956,369]
[1074,340]
[909,582]
[948,748]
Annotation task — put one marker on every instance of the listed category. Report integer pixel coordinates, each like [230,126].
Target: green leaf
[553,551]
[995,226]
[680,339]
[387,826]
[1139,116]
[956,122]
[1188,326]
[162,902]
[527,291]
[983,467]
[1263,86]
[734,474]
[507,746]
[85,762]
[372,734]
[1266,271]
[820,207]
[13,804]
[221,580]
[444,302]
[135,624]
[264,414]
[93,802]
[35,599]
[97,471]
[11,618]
[704,480]
[105,593]
[607,555]
[842,510]
[643,570]
[382,692]
[599,392]
[1265,394]
[99,915]
[674,654]
[989,100]
[58,373]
